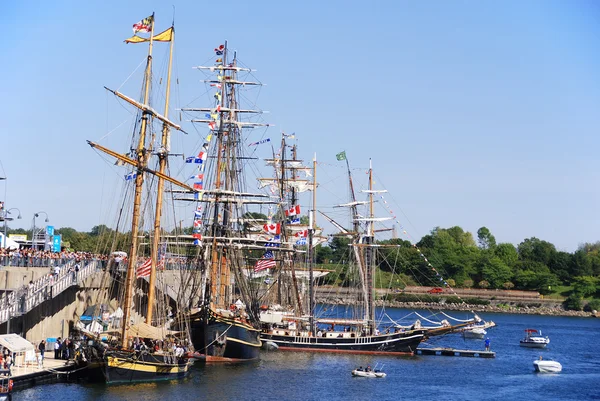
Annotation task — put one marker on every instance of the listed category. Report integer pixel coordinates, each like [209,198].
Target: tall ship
[225,323]
[133,317]
[295,323]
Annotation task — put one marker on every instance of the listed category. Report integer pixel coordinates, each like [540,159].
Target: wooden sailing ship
[224,325]
[302,329]
[146,350]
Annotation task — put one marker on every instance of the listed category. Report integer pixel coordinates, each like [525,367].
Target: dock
[455,352]
[52,371]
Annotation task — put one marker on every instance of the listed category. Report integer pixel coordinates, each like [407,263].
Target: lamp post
[33,231]
[6,213]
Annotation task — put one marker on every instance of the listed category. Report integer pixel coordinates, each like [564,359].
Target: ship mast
[162,157]
[293,203]
[355,223]
[311,252]
[216,262]
[139,182]
[369,262]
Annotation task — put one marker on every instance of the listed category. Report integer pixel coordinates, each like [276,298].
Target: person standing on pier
[57,348]
[487,344]
[42,348]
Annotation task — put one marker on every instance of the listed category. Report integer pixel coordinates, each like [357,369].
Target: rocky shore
[552,309]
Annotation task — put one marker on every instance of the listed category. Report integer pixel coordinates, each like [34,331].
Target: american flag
[267,262]
[144,269]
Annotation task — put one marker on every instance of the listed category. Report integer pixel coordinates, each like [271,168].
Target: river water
[305,376]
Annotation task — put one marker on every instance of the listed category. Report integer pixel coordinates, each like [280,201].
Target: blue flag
[130,176]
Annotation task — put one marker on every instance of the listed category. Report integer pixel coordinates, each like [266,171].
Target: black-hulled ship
[296,326]
[225,325]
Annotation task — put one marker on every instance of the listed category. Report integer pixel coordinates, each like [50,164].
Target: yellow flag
[165,36]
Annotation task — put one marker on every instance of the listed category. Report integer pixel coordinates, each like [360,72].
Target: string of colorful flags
[414,245]
[214,117]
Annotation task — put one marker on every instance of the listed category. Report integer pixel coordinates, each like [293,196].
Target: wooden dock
[455,352]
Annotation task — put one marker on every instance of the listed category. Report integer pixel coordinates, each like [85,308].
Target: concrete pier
[52,371]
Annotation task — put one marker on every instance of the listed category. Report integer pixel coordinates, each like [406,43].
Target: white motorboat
[368,373]
[542,366]
[533,339]
[476,332]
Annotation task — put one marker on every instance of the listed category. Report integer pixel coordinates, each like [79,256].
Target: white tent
[23,349]
[10,244]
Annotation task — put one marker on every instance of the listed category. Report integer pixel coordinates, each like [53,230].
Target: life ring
[10,385]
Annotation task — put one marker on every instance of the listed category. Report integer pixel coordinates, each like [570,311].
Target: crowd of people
[27,257]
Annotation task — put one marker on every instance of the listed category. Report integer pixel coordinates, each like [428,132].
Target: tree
[508,285]
[585,286]
[97,230]
[485,238]
[323,254]
[573,302]
[507,253]
[340,249]
[536,250]
[582,264]
[496,273]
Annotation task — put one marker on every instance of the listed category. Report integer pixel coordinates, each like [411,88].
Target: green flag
[341,155]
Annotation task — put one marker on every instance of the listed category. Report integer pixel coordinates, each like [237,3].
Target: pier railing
[21,301]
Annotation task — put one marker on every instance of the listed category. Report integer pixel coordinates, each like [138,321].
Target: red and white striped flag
[264,264]
[144,269]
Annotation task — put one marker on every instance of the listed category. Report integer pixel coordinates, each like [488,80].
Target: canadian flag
[273,228]
[295,210]
[303,233]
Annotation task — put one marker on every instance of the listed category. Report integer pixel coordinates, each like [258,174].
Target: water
[306,376]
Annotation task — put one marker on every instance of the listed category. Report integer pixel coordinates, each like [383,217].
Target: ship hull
[129,367]
[390,344]
[221,339]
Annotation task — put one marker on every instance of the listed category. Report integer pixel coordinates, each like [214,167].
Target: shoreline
[524,310]
[545,310]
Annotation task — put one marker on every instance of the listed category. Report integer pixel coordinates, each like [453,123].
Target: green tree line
[466,262]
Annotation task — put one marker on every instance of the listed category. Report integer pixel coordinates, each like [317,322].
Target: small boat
[476,332]
[360,372]
[542,366]
[269,346]
[533,339]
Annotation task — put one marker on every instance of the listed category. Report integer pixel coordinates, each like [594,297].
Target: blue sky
[475,113]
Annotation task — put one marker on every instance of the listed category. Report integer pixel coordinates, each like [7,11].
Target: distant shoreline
[525,310]
[547,309]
